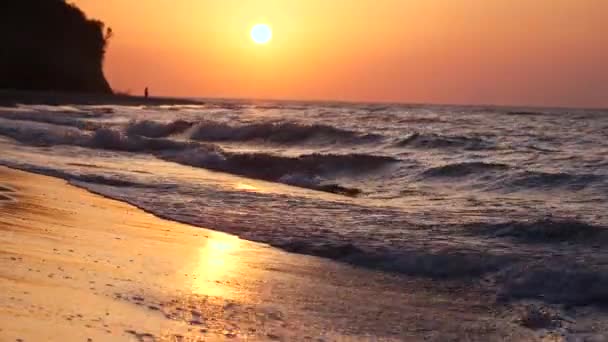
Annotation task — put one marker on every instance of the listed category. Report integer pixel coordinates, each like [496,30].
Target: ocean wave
[153,129]
[305,171]
[525,113]
[59,118]
[308,171]
[316,183]
[282,106]
[505,178]
[568,282]
[543,231]
[376,108]
[419,120]
[437,141]
[464,169]
[102,138]
[445,264]
[541,149]
[278,133]
[36,135]
[103,180]
[112,139]
[546,180]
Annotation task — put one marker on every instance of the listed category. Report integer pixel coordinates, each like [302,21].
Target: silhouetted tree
[51,45]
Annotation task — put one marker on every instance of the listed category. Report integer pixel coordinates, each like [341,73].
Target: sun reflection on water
[217,263]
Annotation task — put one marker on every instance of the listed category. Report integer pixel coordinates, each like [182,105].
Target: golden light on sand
[216,262]
[261,33]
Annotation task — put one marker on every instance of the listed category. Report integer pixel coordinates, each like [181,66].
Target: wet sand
[79,267]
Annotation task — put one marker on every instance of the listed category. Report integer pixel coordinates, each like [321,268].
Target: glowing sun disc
[261,34]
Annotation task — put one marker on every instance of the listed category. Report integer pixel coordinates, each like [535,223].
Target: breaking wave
[43,136]
[111,139]
[282,133]
[69,119]
[102,138]
[153,129]
[307,171]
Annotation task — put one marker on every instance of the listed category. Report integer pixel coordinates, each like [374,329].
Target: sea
[516,196]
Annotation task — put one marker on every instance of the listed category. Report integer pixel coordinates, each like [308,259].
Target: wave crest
[307,171]
[281,133]
[111,139]
[153,129]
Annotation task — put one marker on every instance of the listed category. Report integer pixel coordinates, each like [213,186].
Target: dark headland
[51,53]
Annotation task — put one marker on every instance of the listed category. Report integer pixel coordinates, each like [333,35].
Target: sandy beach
[78,267]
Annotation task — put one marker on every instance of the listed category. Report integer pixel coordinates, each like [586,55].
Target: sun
[261,33]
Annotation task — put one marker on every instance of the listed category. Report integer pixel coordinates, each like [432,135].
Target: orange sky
[536,52]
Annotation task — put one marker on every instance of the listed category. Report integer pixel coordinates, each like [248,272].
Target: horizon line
[373,102]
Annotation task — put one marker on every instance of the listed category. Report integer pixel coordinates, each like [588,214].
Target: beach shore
[75,266]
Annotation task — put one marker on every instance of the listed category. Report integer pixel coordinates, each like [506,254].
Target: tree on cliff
[51,45]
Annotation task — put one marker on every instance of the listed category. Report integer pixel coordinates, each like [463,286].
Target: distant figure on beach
[146,93]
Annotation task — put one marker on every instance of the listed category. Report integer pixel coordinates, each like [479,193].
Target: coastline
[77,266]
[55,98]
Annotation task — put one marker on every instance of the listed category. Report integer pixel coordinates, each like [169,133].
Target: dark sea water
[433,191]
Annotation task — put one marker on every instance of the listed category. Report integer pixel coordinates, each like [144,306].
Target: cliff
[51,45]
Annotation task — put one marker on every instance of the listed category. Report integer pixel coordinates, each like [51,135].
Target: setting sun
[261,34]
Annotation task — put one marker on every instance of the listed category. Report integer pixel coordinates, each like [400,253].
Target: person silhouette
[146,92]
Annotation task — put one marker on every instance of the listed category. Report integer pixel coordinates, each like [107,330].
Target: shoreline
[145,278]
[11,98]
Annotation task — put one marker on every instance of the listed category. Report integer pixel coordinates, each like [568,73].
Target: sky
[505,52]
